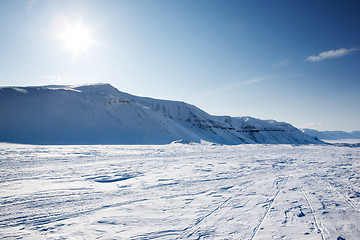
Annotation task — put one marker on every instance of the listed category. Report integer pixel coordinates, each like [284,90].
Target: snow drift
[100,114]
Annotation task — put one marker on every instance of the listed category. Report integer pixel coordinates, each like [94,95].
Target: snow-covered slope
[331,135]
[100,114]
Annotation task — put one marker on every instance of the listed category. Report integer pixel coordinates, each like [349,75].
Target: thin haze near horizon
[292,61]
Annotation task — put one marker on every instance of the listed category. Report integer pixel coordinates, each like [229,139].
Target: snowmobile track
[189,231]
[345,196]
[316,222]
[256,229]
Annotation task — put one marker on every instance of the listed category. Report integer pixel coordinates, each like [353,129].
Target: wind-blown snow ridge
[100,114]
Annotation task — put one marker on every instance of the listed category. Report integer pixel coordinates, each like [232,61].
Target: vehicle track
[332,186]
[193,228]
[190,230]
[316,221]
[256,229]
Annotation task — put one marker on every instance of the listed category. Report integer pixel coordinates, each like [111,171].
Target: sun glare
[74,36]
[77,38]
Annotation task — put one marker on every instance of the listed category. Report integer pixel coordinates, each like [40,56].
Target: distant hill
[100,114]
[331,135]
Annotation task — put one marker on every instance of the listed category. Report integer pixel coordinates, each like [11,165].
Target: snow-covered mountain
[100,114]
[331,135]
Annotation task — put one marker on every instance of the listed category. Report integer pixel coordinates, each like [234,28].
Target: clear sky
[292,61]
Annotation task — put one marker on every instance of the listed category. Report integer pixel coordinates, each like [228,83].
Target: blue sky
[293,61]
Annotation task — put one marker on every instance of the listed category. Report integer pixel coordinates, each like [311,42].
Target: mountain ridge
[101,114]
[331,135]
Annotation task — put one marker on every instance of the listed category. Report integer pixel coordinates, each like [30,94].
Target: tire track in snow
[333,194]
[43,218]
[193,228]
[190,230]
[256,229]
[316,222]
[345,196]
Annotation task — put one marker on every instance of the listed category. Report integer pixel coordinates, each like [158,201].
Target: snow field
[179,191]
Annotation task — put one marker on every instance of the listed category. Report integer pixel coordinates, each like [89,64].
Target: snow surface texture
[331,135]
[179,191]
[100,114]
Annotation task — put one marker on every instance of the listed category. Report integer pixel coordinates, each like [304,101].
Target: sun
[75,36]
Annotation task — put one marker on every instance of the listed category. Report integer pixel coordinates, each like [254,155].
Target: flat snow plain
[178,191]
